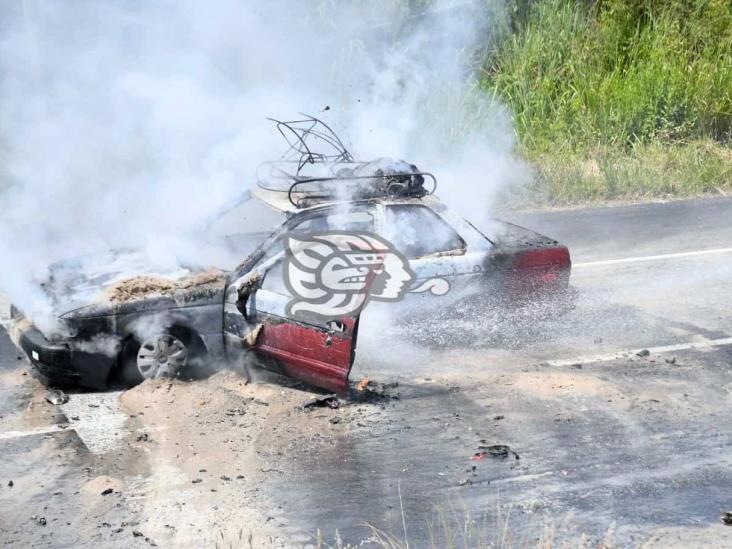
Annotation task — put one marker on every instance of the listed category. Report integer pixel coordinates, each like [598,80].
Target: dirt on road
[622,455]
[186,468]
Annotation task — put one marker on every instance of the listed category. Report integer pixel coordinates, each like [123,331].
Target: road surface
[604,444]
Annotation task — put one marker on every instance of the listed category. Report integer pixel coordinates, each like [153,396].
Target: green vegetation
[619,98]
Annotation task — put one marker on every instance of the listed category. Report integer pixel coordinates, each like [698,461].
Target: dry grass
[454,527]
[646,171]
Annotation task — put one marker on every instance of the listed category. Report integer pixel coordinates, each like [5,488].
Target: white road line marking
[660,257]
[100,423]
[40,431]
[705,344]
[522,478]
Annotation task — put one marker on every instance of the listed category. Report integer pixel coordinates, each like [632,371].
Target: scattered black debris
[40,521]
[497,418]
[727,518]
[74,418]
[235,412]
[671,360]
[137,533]
[500,451]
[202,470]
[144,437]
[224,477]
[325,401]
[335,419]
[239,477]
[107,491]
[93,405]
[196,481]
[643,352]
[56,397]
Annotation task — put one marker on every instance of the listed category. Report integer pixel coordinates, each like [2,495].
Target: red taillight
[545,257]
[543,270]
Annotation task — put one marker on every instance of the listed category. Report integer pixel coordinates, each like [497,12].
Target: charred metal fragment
[325,401]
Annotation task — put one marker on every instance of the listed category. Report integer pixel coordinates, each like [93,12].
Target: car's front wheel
[170,354]
[163,355]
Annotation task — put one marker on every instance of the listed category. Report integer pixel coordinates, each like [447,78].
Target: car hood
[121,276]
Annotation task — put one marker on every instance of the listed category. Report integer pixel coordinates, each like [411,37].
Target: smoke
[132,123]
[108,345]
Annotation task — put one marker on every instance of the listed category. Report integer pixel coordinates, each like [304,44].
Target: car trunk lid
[528,262]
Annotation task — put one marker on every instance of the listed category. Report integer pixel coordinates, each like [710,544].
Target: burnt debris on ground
[56,397]
[326,401]
[499,451]
[373,391]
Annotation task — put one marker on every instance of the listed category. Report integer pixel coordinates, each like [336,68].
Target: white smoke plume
[133,123]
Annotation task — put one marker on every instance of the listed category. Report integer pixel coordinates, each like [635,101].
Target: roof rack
[310,175]
[301,135]
[383,185]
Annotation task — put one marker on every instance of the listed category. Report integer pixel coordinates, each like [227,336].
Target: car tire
[176,353]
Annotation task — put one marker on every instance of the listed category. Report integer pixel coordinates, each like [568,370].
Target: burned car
[354,232]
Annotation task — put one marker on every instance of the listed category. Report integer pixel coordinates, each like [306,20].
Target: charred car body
[149,326]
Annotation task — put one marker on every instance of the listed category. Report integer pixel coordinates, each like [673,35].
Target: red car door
[316,350]
[321,357]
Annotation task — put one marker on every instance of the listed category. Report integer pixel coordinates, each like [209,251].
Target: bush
[619,72]
[593,81]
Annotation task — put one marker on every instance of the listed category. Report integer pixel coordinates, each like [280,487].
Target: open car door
[320,356]
[317,350]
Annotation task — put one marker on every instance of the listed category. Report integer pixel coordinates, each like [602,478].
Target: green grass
[619,98]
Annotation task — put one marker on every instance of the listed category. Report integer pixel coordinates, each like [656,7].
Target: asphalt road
[610,445]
